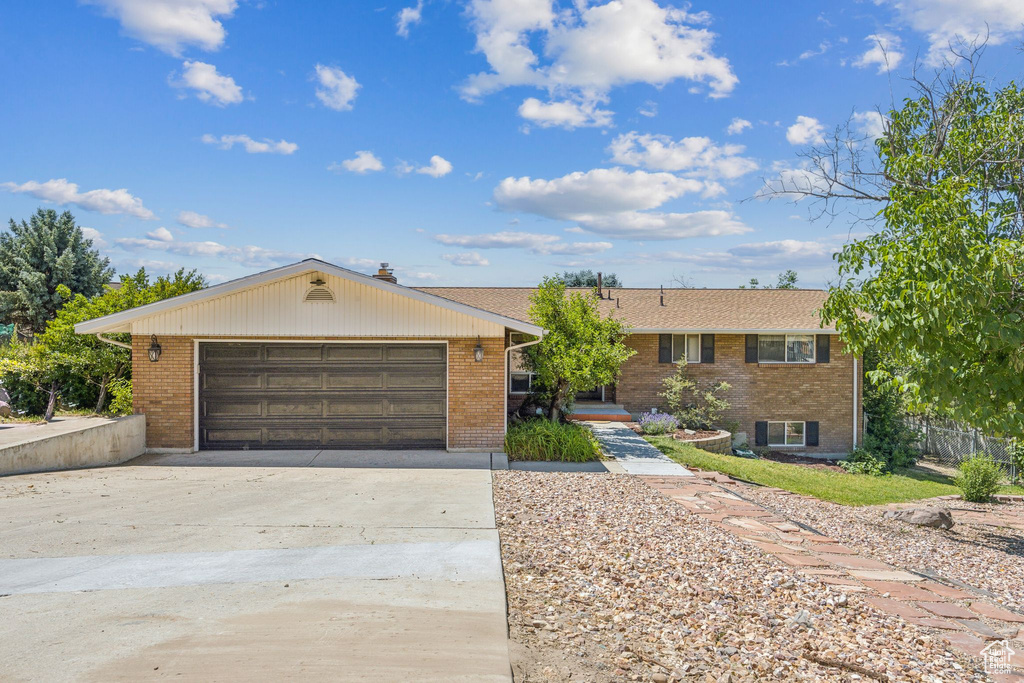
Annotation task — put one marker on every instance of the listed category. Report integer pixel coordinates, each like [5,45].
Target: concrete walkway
[634,454]
[243,572]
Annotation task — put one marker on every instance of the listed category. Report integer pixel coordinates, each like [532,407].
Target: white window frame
[785,431]
[785,346]
[700,347]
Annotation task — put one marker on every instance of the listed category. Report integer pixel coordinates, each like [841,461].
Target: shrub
[1016,450]
[120,396]
[654,424]
[697,404]
[887,435]
[546,440]
[978,479]
[862,461]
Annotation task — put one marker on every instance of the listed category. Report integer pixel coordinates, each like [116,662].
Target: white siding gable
[278,309]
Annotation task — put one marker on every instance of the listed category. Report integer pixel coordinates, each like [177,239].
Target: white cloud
[251,256]
[60,191]
[95,235]
[264,146]
[649,109]
[209,86]
[191,219]
[469,258]
[439,166]
[587,50]
[806,130]
[871,124]
[951,21]
[564,113]
[364,161]
[616,203]
[749,257]
[884,52]
[337,89]
[737,126]
[161,234]
[171,24]
[408,17]
[695,155]
[533,242]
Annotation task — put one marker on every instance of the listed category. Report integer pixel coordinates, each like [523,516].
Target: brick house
[312,355]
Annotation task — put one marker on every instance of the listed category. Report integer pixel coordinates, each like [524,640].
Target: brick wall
[476,395]
[821,392]
[163,391]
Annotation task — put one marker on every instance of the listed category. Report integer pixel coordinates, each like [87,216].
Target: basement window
[520,382]
[786,433]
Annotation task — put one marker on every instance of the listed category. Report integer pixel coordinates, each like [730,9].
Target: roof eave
[719,330]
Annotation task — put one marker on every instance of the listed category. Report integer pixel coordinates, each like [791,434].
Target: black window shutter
[823,342]
[812,433]
[707,348]
[760,433]
[752,349]
[664,348]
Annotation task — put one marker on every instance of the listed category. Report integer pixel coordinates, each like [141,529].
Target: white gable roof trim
[123,321]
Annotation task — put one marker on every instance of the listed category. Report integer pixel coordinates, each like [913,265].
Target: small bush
[697,403]
[978,479]
[862,461]
[547,440]
[655,424]
[120,396]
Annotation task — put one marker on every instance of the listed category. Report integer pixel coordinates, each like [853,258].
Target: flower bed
[713,442]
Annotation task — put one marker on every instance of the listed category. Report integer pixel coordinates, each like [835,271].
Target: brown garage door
[322,395]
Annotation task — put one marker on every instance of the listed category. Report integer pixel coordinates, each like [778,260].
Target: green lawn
[838,487]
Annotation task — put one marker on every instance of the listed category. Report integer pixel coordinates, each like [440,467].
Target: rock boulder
[935,518]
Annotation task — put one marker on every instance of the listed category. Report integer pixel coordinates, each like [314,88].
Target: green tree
[38,257]
[61,362]
[580,350]
[939,283]
[785,280]
[587,278]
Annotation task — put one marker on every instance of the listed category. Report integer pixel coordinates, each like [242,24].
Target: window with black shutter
[812,433]
[707,348]
[664,348]
[760,432]
[751,348]
[822,343]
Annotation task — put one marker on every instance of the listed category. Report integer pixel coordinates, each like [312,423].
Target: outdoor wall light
[478,351]
[154,350]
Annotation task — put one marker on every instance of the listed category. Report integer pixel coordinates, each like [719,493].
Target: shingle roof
[694,310]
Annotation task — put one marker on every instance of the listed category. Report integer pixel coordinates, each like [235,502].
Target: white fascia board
[713,330]
[121,322]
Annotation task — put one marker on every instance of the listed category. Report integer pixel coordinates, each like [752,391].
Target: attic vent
[319,293]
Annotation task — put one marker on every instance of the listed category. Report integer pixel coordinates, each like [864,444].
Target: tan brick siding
[163,391]
[821,392]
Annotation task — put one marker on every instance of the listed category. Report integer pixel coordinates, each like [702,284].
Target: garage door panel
[415,352]
[294,408]
[354,352]
[355,407]
[293,381]
[286,352]
[322,395]
[355,380]
[229,382]
[236,408]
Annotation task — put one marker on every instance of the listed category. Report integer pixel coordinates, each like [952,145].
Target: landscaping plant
[978,479]
[697,404]
[540,439]
[580,349]
[654,424]
[862,461]
[1016,450]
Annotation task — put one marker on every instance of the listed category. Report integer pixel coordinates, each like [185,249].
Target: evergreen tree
[39,256]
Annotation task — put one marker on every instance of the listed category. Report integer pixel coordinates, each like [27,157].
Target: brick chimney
[387,274]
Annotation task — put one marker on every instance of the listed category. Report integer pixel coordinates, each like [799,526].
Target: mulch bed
[813,463]
[681,435]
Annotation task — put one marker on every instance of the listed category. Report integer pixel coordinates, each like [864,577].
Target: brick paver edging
[965,620]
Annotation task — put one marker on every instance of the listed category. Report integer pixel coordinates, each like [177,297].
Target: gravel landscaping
[985,557]
[609,580]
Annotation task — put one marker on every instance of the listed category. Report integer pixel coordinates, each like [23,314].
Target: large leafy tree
[580,349]
[939,282]
[61,362]
[39,256]
[588,278]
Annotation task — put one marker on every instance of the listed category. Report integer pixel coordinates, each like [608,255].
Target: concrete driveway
[179,567]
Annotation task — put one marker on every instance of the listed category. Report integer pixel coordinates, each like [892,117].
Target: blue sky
[466,142]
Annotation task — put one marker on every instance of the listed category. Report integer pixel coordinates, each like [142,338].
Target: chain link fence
[949,445]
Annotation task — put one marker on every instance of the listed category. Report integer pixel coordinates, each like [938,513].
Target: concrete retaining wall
[105,442]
